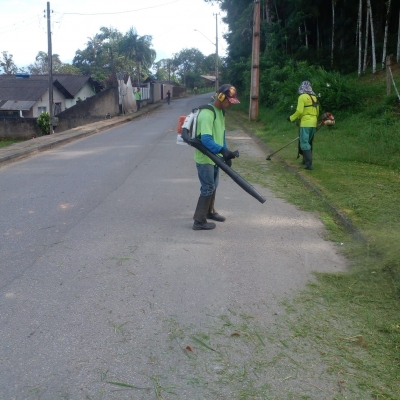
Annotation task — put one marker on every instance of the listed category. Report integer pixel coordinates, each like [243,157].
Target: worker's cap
[230,92]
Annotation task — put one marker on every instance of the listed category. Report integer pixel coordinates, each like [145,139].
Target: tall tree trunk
[138,71]
[386,34]
[333,31]
[305,32]
[267,11]
[359,25]
[398,41]
[366,39]
[372,38]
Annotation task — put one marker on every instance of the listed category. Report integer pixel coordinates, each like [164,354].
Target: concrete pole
[50,63]
[255,63]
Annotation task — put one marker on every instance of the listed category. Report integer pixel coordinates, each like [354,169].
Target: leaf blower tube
[196,143]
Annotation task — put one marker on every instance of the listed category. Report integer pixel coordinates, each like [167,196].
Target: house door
[57,108]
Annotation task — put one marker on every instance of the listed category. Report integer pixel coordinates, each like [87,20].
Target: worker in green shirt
[307,112]
[138,98]
[211,130]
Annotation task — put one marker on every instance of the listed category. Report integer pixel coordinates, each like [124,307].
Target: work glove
[228,155]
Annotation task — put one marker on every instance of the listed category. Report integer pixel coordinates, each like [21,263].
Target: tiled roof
[33,88]
[22,89]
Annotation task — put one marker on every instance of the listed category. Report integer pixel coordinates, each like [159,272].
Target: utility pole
[255,63]
[50,63]
[216,54]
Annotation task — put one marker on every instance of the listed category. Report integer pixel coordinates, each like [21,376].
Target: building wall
[85,92]
[18,128]
[92,109]
[159,91]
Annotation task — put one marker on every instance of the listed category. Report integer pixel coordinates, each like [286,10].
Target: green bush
[43,122]
[279,85]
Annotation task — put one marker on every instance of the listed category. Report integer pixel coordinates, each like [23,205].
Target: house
[28,95]
[208,80]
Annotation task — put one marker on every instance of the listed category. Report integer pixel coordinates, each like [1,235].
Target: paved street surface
[107,292]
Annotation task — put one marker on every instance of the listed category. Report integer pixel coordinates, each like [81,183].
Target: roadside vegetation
[8,142]
[352,319]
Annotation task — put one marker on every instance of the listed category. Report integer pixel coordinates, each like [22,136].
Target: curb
[18,151]
[343,220]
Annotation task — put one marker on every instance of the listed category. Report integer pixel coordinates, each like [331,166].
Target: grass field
[352,318]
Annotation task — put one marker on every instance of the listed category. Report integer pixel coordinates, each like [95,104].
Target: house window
[41,110]
[57,108]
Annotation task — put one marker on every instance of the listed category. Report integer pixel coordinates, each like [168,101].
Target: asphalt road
[107,292]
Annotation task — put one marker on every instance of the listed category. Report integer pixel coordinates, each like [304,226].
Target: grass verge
[8,142]
[352,319]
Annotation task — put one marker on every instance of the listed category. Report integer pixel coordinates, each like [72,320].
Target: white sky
[171,23]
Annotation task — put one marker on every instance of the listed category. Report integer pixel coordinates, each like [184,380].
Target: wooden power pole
[255,63]
[50,63]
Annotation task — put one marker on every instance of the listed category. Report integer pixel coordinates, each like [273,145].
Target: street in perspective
[108,293]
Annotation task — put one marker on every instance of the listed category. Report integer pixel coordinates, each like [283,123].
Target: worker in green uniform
[211,130]
[307,112]
[138,98]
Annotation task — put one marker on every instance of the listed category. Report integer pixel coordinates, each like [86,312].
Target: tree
[371,21]
[386,34]
[41,64]
[165,70]
[7,63]
[333,31]
[110,51]
[359,35]
[366,39]
[189,64]
[138,49]
[326,34]
[398,41]
[68,69]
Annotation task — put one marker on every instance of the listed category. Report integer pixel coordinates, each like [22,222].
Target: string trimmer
[326,119]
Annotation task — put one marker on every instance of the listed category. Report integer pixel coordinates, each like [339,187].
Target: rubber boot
[308,159]
[212,213]
[200,221]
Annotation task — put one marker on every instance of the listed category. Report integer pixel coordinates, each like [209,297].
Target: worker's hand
[228,163]
[228,155]
[288,118]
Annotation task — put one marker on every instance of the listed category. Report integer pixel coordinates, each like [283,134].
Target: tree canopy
[323,33]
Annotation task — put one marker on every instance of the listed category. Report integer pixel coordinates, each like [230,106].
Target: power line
[22,22]
[21,27]
[121,12]
[86,14]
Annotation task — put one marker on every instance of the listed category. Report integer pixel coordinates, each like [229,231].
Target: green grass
[352,319]
[8,142]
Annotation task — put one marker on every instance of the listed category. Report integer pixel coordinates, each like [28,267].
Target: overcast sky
[171,23]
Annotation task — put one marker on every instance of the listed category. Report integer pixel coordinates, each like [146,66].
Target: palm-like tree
[41,64]
[138,49]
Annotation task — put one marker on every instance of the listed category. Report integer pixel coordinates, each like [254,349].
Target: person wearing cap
[307,111]
[212,134]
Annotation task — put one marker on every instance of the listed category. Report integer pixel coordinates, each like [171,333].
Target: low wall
[93,109]
[102,105]
[18,128]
